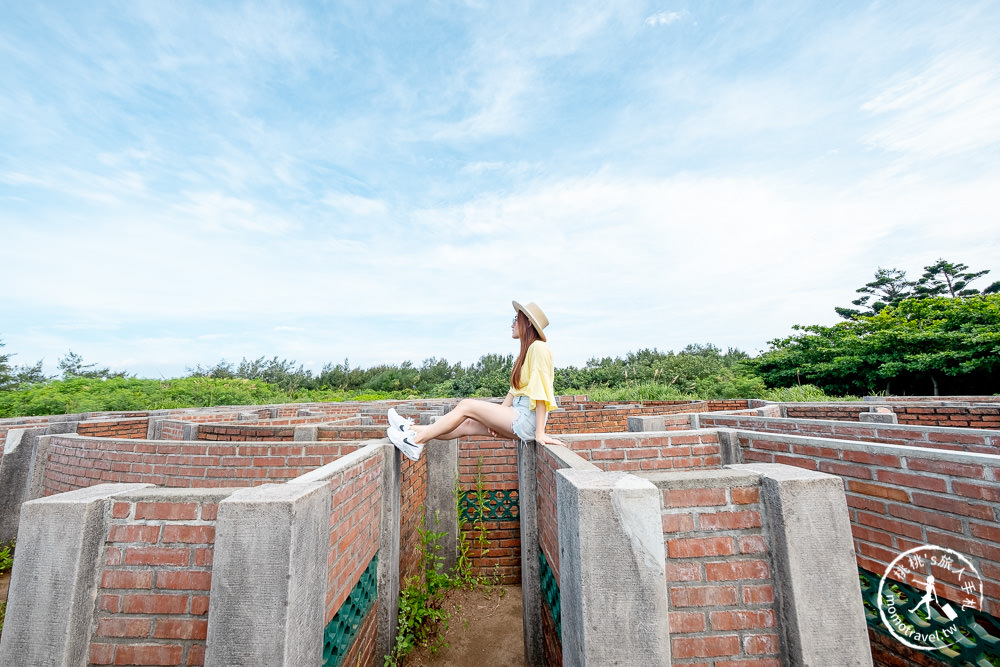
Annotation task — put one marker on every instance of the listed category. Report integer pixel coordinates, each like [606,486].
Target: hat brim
[531,318]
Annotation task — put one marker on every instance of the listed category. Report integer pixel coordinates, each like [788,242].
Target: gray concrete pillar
[729,447]
[305,433]
[19,460]
[190,432]
[815,569]
[387,573]
[531,579]
[50,606]
[268,600]
[878,417]
[646,423]
[441,514]
[612,570]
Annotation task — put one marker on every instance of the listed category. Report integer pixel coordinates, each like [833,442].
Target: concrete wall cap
[288,492]
[786,473]
[176,495]
[690,479]
[88,494]
[570,458]
[882,448]
[14,437]
[836,423]
[630,435]
[324,473]
[598,479]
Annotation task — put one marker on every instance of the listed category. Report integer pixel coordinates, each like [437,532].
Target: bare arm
[540,436]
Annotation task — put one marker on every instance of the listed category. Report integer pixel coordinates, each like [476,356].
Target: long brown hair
[528,335]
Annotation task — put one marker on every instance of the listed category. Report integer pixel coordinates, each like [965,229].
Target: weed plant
[7,557]
[6,563]
[422,618]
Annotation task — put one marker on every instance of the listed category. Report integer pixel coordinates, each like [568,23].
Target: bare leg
[470,417]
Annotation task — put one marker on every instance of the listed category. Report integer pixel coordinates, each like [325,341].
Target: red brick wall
[350,432]
[172,429]
[362,652]
[355,515]
[966,440]
[969,417]
[548,512]
[494,462]
[133,428]
[900,499]
[920,413]
[720,586]
[594,417]
[245,432]
[413,492]
[834,411]
[152,600]
[638,452]
[76,462]
[552,645]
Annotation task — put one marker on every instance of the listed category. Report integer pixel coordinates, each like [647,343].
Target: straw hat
[534,315]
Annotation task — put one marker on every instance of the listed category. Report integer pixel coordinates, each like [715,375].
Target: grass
[6,558]
[6,563]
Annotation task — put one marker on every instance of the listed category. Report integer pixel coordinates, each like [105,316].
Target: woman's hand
[543,439]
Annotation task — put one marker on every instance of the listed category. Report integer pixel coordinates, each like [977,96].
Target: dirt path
[485,631]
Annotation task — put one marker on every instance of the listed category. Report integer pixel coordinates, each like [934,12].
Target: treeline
[936,335]
[936,346]
[698,371]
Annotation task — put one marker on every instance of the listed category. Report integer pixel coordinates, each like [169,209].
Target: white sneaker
[398,422]
[404,443]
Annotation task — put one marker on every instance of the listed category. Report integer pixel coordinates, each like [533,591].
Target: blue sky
[186,182]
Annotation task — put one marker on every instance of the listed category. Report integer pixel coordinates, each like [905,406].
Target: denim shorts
[524,422]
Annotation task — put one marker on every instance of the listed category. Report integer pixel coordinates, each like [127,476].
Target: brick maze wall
[492,465]
[587,417]
[639,452]
[355,513]
[76,462]
[920,413]
[548,516]
[966,440]
[720,587]
[903,498]
[413,492]
[152,601]
[131,428]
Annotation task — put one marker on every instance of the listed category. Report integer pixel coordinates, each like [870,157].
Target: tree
[6,377]
[936,345]
[16,377]
[889,287]
[72,366]
[946,279]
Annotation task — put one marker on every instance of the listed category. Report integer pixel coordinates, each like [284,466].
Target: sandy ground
[485,630]
[4,586]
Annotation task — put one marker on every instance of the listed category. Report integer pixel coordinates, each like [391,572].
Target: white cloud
[665,18]
[949,108]
[217,212]
[355,205]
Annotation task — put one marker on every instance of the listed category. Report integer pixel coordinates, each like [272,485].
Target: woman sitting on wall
[524,410]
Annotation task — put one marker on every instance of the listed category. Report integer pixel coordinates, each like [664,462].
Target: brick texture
[719,581]
[153,591]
